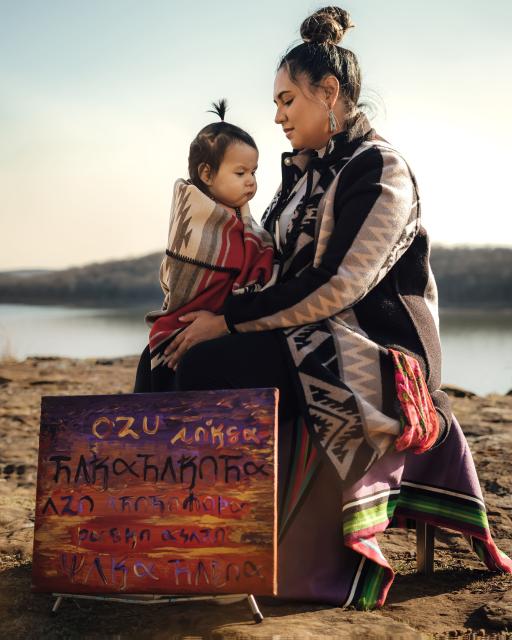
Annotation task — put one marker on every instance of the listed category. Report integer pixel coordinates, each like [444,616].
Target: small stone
[495,487]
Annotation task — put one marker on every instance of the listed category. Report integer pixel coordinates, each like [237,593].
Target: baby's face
[234,184]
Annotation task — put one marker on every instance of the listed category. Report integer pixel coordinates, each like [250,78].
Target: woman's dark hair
[319,54]
[210,144]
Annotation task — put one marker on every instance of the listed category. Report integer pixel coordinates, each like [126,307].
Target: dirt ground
[461,599]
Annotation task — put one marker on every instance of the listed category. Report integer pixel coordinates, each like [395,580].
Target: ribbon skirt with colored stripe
[328,550]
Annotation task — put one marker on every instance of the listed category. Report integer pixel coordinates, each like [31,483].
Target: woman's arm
[375,219]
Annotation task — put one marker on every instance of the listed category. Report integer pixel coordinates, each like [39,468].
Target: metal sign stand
[163,599]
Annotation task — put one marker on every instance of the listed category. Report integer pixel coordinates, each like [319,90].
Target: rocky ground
[461,599]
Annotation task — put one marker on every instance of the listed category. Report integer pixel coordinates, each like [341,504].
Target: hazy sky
[99,101]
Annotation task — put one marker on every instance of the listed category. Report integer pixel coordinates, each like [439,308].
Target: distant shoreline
[150,304]
[93,305]
[477,279]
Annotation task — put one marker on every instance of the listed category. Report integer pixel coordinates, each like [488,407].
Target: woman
[352,288]
[354,275]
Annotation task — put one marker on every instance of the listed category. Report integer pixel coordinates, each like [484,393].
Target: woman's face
[302,111]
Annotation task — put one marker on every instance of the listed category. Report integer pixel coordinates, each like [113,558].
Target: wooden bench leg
[425,548]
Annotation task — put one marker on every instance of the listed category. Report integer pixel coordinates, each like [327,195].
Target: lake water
[477,346]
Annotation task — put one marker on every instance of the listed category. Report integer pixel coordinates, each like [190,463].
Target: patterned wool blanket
[211,253]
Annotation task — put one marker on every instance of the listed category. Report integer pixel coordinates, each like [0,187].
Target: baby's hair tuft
[219,108]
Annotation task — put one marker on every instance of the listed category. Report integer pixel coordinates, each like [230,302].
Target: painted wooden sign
[157,493]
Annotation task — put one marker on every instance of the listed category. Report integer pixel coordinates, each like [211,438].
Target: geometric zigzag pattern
[346,416]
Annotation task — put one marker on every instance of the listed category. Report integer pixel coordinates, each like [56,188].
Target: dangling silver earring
[333,123]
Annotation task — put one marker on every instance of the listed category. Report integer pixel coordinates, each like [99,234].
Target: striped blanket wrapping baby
[211,253]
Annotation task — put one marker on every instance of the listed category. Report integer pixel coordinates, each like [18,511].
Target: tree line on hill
[472,278]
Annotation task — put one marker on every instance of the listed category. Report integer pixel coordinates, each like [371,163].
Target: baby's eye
[253,172]
[239,173]
[288,103]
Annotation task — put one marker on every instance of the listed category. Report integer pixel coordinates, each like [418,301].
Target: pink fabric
[418,416]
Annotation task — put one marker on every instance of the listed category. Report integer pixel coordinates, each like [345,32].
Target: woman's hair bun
[326,26]
[219,108]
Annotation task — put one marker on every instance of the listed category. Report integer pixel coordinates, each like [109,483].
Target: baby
[215,248]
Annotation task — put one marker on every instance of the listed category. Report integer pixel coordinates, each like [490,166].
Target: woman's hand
[204,325]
